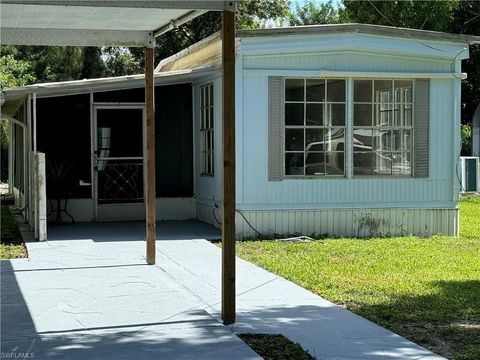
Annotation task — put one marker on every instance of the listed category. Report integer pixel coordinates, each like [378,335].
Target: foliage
[11,245]
[251,14]
[423,289]
[59,63]
[449,16]
[9,230]
[275,347]
[15,72]
[311,13]
[466,133]
[437,15]
[120,61]
[254,14]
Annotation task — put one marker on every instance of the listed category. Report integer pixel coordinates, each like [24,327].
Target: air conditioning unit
[470,174]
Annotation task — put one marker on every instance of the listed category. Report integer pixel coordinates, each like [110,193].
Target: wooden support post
[228,175]
[149,133]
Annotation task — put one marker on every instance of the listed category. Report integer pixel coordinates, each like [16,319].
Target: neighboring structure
[476,132]
[347,130]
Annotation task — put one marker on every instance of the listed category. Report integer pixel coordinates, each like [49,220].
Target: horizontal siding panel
[344,62]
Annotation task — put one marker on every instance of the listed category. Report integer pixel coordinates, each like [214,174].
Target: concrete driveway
[87,294]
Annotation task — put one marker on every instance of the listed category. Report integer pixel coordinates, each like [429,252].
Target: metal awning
[133,23]
[13,97]
[136,23]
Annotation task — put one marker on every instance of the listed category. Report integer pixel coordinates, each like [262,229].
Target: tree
[120,61]
[466,20]
[312,13]
[15,72]
[59,63]
[12,73]
[449,16]
[251,14]
[428,15]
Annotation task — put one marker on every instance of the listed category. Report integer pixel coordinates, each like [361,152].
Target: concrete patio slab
[267,303]
[87,294]
[95,298]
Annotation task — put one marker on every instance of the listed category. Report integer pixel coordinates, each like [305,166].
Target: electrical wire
[264,236]
[251,226]
[403,32]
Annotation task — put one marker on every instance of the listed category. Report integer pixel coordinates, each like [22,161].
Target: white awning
[133,23]
[12,98]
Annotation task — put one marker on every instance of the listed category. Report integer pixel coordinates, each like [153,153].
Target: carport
[136,23]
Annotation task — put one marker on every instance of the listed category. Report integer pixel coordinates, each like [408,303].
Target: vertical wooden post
[228,175]
[150,205]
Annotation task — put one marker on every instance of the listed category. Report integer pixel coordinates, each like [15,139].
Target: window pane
[382,140]
[335,115]
[401,140]
[362,163]
[382,163]
[403,115]
[211,95]
[334,140]
[314,139]
[315,90]
[315,164]
[383,86]
[362,140]
[403,91]
[362,115]
[211,117]
[295,90]
[336,90]
[294,164]
[383,115]
[294,114]
[401,164]
[335,163]
[362,90]
[315,114]
[294,140]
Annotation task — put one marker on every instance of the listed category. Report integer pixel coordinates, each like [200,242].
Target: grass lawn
[11,245]
[427,290]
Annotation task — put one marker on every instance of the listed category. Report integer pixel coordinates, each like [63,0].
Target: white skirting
[350,222]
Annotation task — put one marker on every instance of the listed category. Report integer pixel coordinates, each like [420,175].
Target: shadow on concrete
[447,321]
[17,330]
[192,334]
[132,231]
[331,333]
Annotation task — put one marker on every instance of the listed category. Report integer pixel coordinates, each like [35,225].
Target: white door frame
[94,143]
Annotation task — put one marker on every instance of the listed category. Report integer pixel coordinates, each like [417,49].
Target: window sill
[316,177]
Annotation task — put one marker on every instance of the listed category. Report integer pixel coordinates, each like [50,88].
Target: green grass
[11,245]
[275,347]
[427,290]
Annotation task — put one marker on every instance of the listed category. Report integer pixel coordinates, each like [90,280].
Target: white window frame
[349,127]
[377,105]
[326,107]
[207,134]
